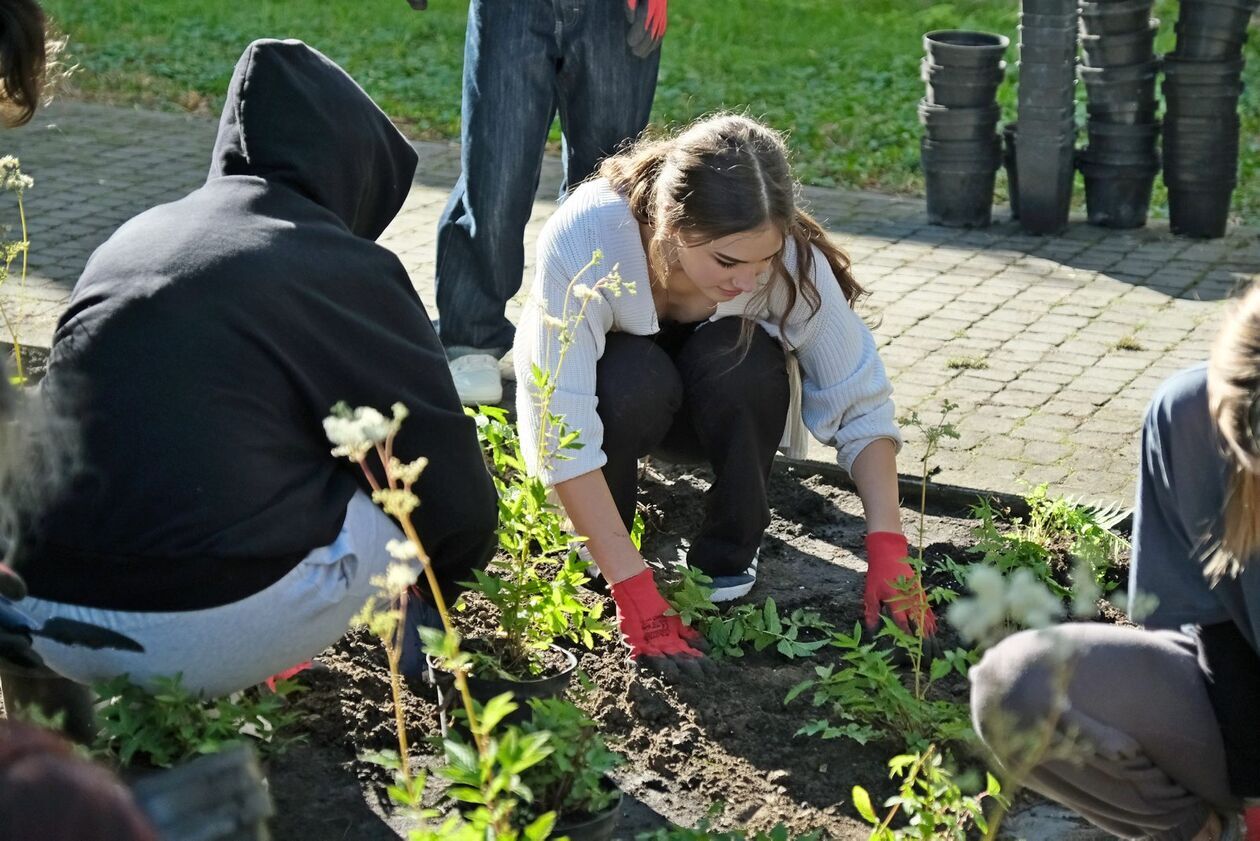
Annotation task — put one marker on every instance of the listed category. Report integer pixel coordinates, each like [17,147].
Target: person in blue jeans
[592,61]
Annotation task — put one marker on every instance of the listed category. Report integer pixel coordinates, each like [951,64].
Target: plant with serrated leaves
[866,696]
[169,723]
[486,794]
[534,582]
[570,781]
[930,801]
[799,633]
[1086,528]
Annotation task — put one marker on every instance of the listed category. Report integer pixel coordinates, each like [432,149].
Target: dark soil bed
[727,737]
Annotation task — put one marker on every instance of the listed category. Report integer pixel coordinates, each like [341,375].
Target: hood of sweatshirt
[293,117]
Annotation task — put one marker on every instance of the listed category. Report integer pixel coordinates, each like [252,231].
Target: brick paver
[1051,346]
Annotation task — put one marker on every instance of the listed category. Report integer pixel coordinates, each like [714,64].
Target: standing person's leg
[734,404]
[605,91]
[639,395]
[1157,767]
[508,106]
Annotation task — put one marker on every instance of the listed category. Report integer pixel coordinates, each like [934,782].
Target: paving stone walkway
[1051,346]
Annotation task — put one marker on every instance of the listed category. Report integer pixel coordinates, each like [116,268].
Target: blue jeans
[524,61]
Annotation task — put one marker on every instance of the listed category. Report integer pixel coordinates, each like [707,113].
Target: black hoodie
[208,338]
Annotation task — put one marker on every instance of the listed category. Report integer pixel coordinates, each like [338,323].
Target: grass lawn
[841,77]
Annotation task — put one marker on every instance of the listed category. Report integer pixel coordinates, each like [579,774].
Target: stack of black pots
[1120,163]
[961,150]
[1046,138]
[1202,84]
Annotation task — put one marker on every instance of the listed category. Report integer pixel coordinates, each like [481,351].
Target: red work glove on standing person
[647,25]
[651,635]
[1251,819]
[886,558]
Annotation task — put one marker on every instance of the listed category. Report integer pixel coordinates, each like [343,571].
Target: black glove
[647,25]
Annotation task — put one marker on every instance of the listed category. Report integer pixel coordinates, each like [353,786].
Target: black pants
[692,395]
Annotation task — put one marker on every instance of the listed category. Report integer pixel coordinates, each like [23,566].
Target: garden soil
[726,737]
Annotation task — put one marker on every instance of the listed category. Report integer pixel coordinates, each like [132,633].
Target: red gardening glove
[1251,817]
[646,628]
[886,554]
[647,25]
[286,674]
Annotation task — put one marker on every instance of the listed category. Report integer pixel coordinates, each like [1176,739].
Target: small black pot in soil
[1203,214]
[217,797]
[1115,18]
[963,48]
[483,688]
[598,827]
[1208,45]
[1009,132]
[1120,50]
[960,198]
[1221,15]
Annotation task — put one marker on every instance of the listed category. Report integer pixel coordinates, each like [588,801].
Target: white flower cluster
[1000,604]
[11,176]
[354,432]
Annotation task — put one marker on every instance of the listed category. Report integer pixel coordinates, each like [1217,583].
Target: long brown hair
[723,175]
[25,52]
[1234,401]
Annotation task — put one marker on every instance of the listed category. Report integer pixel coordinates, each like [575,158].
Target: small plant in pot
[533,583]
[573,780]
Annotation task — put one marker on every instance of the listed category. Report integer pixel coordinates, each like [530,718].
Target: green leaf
[862,802]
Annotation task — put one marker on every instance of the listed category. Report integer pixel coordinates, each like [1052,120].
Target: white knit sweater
[845,398]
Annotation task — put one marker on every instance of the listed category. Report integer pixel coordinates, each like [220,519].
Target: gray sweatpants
[1155,767]
[223,649]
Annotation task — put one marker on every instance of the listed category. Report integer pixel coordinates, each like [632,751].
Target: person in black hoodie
[203,346]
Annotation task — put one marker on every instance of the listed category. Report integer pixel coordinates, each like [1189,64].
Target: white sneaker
[476,379]
[727,588]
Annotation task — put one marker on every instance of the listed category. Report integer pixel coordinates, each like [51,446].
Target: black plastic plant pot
[961,198]
[1202,214]
[937,115]
[1221,15]
[1117,197]
[1190,103]
[1119,50]
[992,73]
[955,132]
[1047,77]
[1115,18]
[1056,54]
[598,827]
[1102,155]
[1009,134]
[963,48]
[1055,8]
[1063,99]
[1208,45]
[1037,36]
[1180,70]
[961,95]
[483,688]
[217,797]
[1121,113]
[1063,21]
[1045,175]
[1215,126]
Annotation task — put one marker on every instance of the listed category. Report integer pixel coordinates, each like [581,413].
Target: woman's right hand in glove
[656,638]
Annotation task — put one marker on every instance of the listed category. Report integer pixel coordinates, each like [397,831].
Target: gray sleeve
[1181,488]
